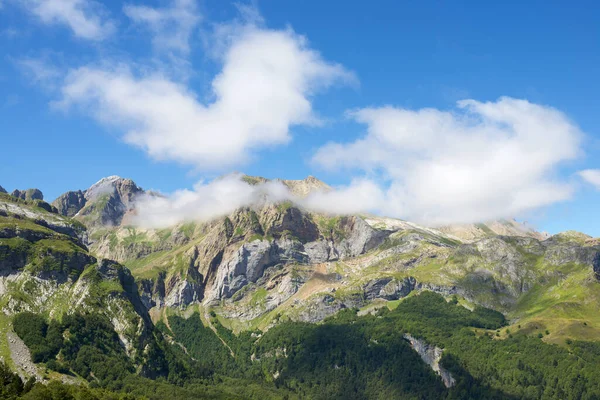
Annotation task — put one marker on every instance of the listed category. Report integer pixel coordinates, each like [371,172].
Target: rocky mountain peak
[2,190]
[125,188]
[303,187]
[109,200]
[29,194]
[106,202]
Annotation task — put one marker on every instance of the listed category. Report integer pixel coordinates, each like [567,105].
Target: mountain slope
[45,268]
[226,308]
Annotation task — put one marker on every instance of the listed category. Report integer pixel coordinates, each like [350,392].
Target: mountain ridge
[274,268]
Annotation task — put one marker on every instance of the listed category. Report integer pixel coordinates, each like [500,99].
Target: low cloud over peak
[223,196]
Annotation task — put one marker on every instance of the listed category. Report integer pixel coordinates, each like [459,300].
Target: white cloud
[480,162]
[360,196]
[171,26]
[265,85]
[223,196]
[591,176]
[85,17]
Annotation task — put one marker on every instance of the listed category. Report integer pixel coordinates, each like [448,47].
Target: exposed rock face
[560,253]
[359,237]
[2,190]
[389,289]
[278,220]
[320,307]
[29,194]
[182,290]
[298,240]
[70,203]
[321,251]
[249,262]
[431,355]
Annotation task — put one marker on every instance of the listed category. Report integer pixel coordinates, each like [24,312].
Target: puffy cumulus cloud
[264,87]
[86,18]
[591,176]
[171,26]
[222,196]
[479,162]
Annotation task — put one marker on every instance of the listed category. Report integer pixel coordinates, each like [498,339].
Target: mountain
[260,264]
[105,203]
[282,302]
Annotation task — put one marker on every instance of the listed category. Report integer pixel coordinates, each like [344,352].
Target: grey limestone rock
[431,355]
[70,203]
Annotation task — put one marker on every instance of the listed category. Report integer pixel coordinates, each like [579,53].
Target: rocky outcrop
[431,355]
[2,190]
[560,251]
[317,308]
[280,220]
[29,194]
[69,203]
[183,290]
[389,288]
[358,237]
[321,251]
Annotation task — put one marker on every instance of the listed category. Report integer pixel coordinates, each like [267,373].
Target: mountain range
[222,298]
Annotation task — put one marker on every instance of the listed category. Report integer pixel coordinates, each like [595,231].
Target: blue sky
[405,55]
